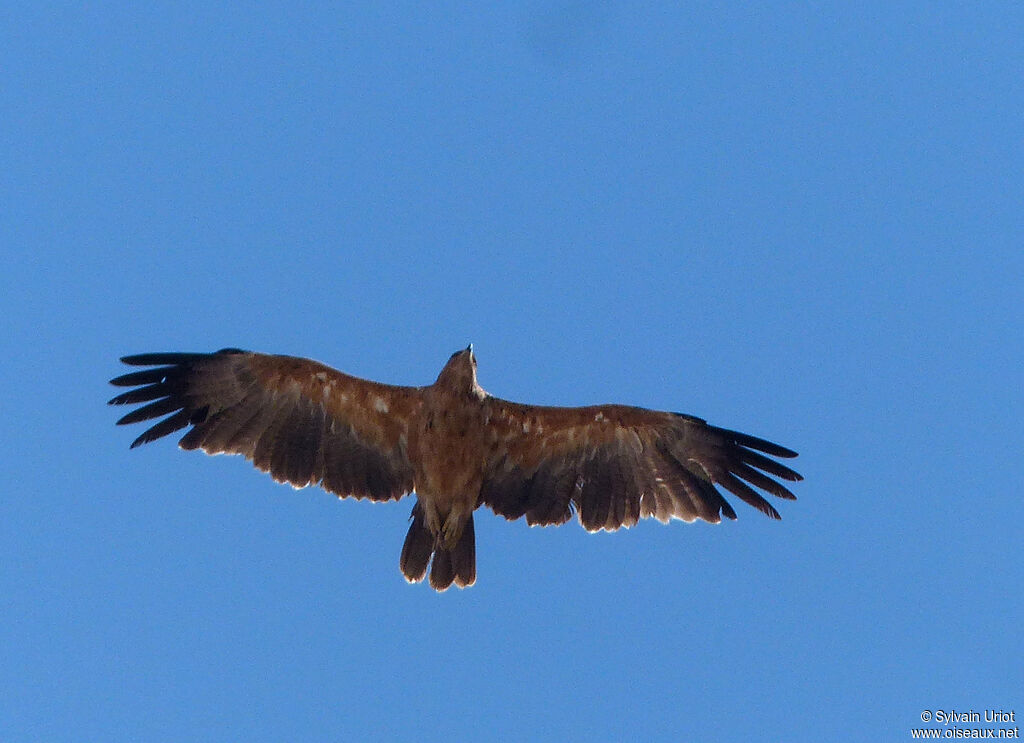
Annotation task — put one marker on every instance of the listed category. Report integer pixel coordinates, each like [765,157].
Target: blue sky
[802,222]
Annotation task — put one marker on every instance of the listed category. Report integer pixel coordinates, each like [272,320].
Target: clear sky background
[803,222]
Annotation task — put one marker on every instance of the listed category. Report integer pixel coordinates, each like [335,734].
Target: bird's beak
[470,348]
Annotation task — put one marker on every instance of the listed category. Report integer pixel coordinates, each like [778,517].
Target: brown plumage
[452,444]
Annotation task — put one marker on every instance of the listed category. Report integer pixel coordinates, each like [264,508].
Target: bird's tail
[457,565]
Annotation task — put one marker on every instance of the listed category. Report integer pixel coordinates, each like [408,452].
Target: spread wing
[616,464]
[301,421]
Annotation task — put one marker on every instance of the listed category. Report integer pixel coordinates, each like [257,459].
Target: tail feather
[441,571]
[456,566]
[418,547]
[464,556]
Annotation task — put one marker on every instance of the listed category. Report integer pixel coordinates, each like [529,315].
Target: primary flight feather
[453,445]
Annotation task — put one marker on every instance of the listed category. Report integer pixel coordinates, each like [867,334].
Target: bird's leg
[453,527]
[432,517]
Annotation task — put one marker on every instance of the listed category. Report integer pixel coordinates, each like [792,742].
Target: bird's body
[448,446]
[452,444]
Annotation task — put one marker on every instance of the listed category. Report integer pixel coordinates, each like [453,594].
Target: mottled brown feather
[616,464]
[300,421]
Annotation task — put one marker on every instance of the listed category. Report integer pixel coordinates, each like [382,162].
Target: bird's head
[459,374]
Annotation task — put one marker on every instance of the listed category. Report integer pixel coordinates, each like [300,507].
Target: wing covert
[615,464]
[301,421]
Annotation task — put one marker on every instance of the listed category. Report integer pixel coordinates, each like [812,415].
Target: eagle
[453,445]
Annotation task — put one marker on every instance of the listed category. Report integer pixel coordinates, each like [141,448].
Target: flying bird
[453,445]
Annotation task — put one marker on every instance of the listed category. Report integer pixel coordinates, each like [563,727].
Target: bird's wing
[616,464]
[301,421]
